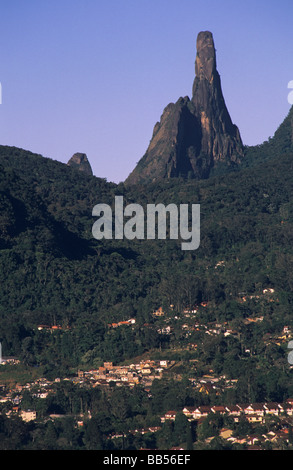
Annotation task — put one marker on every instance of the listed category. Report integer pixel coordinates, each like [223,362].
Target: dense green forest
[53,272]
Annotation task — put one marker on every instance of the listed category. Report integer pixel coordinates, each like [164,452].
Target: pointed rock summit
[81,163]
[194,136]
[220,141]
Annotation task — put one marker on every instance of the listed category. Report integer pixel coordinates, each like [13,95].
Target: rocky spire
[81,163]
[193,136]
[221,141]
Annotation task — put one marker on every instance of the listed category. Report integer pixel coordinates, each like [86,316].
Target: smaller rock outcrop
[81,163]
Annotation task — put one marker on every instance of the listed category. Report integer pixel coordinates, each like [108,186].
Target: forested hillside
[54,272]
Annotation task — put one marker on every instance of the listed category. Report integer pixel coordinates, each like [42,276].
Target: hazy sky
[94,76]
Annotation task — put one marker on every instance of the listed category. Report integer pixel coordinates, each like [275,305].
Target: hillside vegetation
[54,272]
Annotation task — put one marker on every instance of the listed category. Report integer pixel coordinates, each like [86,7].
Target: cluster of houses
[254,412]
[188,322]
[143,373]
[268,293]
[9,360]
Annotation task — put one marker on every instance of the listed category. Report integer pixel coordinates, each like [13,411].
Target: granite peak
[194,137]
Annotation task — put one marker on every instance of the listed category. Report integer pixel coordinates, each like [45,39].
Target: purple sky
[94,76]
